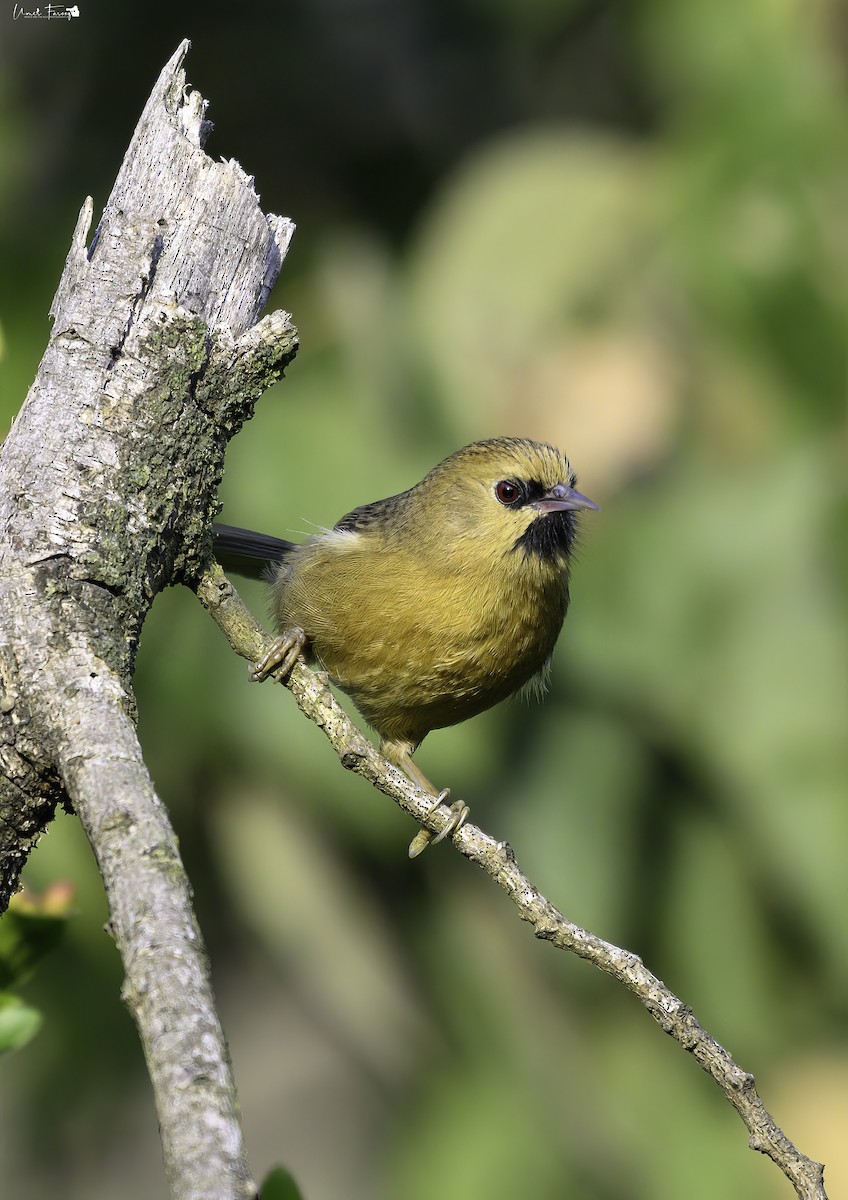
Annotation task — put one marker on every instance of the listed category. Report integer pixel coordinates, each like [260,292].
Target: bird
[432,605]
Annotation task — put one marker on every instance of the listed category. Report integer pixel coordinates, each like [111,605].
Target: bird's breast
[418,645]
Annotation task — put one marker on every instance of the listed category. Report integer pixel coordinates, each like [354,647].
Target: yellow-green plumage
[421,607]
[439,651]
[432,605]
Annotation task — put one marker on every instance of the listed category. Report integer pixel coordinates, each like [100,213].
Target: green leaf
[279,1185]
[19,1022]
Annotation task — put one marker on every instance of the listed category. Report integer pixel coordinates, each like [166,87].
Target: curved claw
[459,815]
[459,812]
[281,657]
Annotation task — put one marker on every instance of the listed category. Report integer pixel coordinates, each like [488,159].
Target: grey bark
[108,483]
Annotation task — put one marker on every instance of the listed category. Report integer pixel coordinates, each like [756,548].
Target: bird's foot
[283,654]
[459,812]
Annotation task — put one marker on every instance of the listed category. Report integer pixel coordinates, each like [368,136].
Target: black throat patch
[550,536]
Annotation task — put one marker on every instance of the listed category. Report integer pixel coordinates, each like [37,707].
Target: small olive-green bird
[430,606]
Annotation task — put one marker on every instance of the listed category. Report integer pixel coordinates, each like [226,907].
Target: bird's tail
[247,553]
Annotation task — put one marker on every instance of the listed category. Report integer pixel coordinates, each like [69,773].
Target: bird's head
[515,495]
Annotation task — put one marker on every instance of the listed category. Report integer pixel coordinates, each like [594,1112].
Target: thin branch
[315,699]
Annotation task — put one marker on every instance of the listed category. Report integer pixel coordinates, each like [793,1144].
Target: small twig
[316,701]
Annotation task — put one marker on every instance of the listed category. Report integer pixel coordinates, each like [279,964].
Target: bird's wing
[367,514]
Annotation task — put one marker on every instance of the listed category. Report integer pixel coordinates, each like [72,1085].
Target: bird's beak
[561,498]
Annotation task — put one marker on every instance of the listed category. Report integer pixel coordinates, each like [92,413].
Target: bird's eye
[508,492]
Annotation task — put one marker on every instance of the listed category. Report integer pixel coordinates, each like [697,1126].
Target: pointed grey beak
[561,497]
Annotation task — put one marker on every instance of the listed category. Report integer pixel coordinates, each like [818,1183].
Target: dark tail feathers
[247,553]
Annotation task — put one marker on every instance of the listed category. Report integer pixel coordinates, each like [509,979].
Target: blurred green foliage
[279,1185]
[19,1022]
[616,227]
[31,927]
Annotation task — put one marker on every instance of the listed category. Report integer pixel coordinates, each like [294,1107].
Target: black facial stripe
[530,489]
[551,535]
[534,490]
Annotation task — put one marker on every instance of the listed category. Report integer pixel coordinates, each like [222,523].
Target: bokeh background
[618,227]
